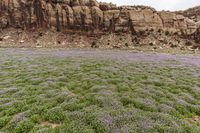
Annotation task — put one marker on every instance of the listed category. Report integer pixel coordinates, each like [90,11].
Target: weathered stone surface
[198,24]
[90,15]
[109,18]
[192,13]
[3,23]
[67,2]
[97,17]
[51,15]
[123,22]
[145,19]
[84,2]
[75,3]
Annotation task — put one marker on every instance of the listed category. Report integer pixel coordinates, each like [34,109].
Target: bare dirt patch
[49,124]
[195,119]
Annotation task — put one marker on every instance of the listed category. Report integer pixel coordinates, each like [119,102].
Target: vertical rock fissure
[163,24]
[38,12]
[58,26]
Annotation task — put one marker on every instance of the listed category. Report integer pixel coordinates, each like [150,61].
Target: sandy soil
[118,55]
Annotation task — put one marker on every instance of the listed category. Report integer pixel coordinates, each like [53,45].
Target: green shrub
[24,126]
[3,121]
[55,115]
[35,118]
[95,123]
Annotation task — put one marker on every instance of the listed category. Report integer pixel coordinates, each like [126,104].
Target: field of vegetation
[48,93]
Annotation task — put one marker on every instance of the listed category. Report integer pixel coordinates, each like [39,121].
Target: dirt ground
[150,42]
[121,55]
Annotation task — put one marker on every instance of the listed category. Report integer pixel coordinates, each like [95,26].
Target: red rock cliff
[89,15]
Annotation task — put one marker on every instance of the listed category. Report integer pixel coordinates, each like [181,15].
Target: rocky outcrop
[192,13]
[89,15]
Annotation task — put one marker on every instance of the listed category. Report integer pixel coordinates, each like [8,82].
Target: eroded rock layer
[89,15]
[192,13]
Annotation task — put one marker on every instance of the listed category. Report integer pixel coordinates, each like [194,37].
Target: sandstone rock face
[143,19]
[192,13]
[3,23]
[89,15]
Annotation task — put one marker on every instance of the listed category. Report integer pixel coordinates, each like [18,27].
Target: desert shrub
[167,33]
[182,109]
[126,101]
[10,111]
[3,121]
[126,44]
[75,127]
[151,44]
[94,45]
[24,126]
[54,115]
[173,45]
[175,33]
[95,123]
[38,110]
[151,30]
[159,30]
[141,33]
[188,43]
[35,118]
